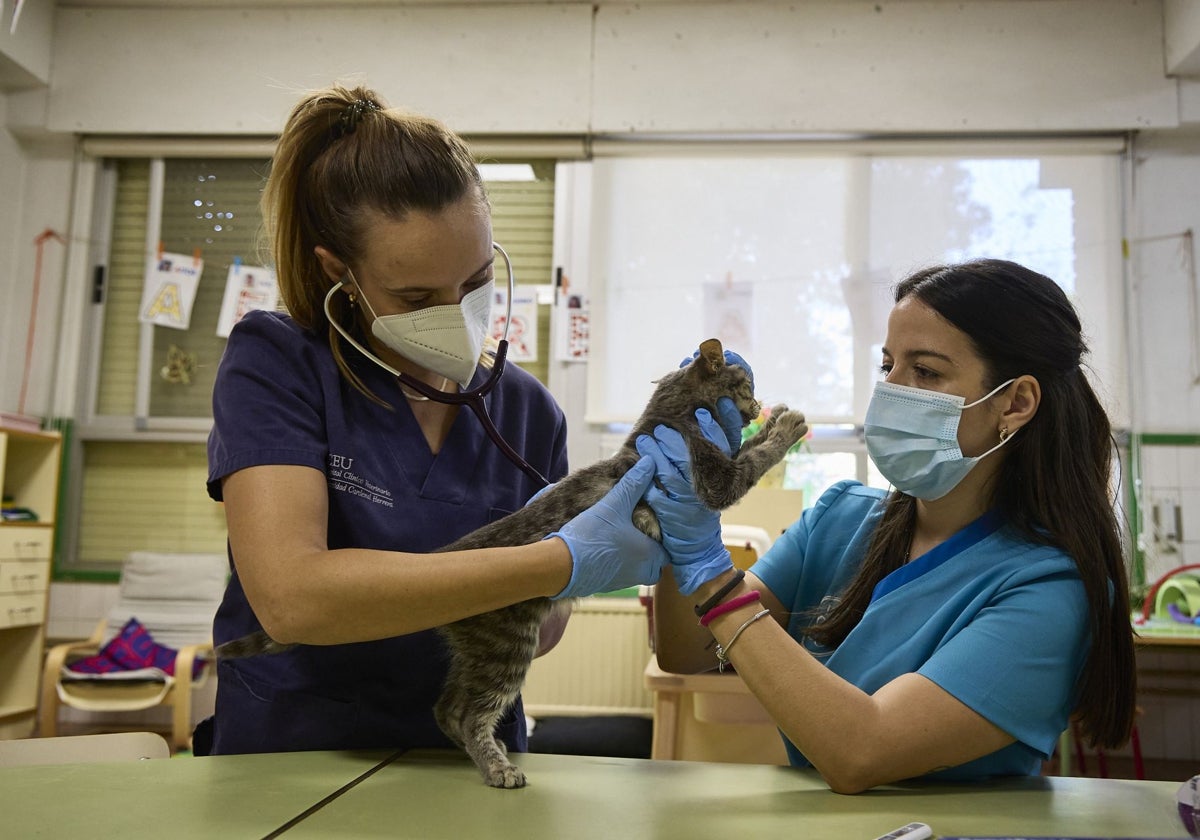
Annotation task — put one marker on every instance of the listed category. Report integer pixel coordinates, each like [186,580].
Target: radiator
[597,667]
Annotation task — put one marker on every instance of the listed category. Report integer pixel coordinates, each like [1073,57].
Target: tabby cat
[490,653]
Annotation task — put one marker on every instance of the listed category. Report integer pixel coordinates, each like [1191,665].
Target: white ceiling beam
[1181,36]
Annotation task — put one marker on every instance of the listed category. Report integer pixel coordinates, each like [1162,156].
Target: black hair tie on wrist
[721,593]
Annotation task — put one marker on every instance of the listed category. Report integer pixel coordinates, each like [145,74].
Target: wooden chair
[174,596]
[78,749]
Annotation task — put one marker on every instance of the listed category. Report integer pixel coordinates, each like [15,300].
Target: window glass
[790,261]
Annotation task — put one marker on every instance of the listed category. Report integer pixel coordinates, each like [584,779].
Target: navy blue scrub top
[280,399]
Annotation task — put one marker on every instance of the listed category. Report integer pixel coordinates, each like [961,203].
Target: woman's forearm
[357,595]
[303,592]
[908,727]
[856,740]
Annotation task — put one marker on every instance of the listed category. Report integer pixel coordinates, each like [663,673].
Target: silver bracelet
[723,650]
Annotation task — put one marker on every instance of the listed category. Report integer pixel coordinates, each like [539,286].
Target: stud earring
[1004,434]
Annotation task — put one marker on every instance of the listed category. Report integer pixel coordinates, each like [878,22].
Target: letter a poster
[170,290]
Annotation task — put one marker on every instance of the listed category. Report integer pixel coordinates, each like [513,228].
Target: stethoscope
[473,398]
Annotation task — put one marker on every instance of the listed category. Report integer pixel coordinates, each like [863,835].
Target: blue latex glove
[691,533]
[540,493]
[730,420]
[727,413]
[607,551]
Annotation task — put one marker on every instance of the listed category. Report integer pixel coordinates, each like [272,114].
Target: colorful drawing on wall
[729,313]
[575,328]
[180,366]
[247,288]
[523,329]
[169,290]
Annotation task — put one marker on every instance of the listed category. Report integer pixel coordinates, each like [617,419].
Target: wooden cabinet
[29,470]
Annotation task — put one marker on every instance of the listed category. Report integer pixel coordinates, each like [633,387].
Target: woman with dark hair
[953,625]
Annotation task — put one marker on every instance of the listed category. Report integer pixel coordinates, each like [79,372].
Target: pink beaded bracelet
[729,606]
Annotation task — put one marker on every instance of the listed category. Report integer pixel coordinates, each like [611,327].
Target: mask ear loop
[990,393]
[346,335]
[333,291]
[1005,434]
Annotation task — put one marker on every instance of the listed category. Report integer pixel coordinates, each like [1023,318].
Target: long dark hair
[1055,485]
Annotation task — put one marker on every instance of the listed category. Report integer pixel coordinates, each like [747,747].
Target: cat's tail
[251,645]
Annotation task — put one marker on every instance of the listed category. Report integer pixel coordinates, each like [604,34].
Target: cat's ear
[712,356]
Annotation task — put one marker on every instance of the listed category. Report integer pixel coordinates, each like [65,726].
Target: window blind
[523,224]
[123,294]
[790,258]
[145,496]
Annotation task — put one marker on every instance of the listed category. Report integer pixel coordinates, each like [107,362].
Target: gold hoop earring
[1004,434]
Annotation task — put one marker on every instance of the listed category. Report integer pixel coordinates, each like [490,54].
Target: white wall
[24,65]
[1166,178]
[495,68]
[12,172]
[25,47]
[36,181]
[880,67]
[537,67]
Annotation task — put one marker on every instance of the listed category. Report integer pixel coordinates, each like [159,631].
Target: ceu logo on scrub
[343,479]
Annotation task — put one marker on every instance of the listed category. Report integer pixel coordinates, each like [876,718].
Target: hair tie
[348,121]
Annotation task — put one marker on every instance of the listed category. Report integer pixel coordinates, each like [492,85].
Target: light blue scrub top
[998,622]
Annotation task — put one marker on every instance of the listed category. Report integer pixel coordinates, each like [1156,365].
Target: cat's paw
[646,522]
[773,414]
[504,776]
[789,426]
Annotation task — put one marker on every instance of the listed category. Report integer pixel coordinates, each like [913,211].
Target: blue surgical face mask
[912,436]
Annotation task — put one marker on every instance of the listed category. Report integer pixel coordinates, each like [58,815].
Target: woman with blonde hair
[343,458]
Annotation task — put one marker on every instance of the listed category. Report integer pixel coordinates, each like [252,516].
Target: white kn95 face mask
[444,339]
